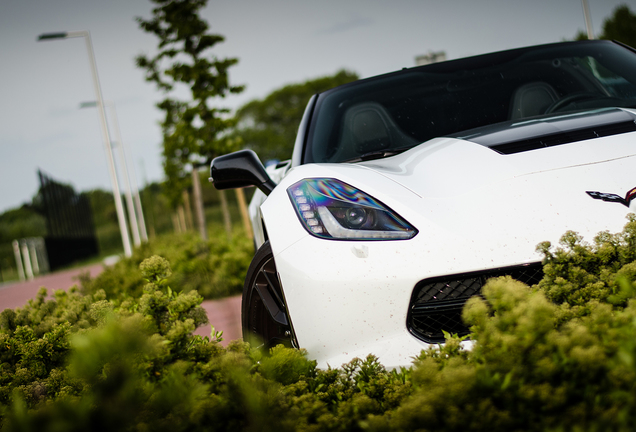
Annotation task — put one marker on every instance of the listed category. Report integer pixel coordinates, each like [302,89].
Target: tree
[269,126]
[580,36]
[194,130]
[621,26]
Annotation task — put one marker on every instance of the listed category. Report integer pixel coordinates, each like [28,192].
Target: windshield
[384,115]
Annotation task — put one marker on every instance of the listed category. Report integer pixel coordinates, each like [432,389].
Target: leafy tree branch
[194,131]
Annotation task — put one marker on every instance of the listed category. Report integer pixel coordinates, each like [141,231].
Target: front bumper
[351,299]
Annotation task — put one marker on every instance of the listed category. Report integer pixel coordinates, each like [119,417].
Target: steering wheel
[556,106]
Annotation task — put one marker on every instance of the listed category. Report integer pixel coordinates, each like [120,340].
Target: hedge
[557,356]
[214,268]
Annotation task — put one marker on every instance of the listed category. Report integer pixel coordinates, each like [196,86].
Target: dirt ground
[224,314]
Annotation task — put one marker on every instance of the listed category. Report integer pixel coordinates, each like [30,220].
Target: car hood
[482,200]
[445,167]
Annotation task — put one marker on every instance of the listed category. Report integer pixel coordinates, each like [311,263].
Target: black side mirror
[240,169]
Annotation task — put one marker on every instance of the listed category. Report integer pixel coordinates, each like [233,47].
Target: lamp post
[588,19]
[105,135]
[135,211]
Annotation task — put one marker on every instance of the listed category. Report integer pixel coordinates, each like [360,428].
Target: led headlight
[331,209]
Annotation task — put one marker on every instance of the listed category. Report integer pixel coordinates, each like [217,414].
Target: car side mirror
[240,169]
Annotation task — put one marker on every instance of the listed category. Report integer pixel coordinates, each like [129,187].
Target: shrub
[136,365]
[34,343]
[579,275]
[215,268]
[557,356]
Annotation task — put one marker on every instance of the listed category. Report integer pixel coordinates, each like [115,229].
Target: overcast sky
[277,42]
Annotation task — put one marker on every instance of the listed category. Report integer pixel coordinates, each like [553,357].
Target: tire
[264,316]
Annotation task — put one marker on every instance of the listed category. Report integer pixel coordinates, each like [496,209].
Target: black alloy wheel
[264,315]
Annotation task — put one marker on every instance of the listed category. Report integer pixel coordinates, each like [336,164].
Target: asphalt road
[224,314]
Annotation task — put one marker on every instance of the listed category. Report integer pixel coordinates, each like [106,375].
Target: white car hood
[479,197]
[446,167]
[451,166]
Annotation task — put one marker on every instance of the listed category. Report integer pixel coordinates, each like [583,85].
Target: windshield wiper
[378,154]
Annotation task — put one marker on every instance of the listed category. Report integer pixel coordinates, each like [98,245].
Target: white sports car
[407,191]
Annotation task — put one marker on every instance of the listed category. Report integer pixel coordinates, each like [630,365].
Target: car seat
[532,99]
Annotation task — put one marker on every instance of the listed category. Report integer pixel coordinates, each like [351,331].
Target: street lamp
[105,135]
[135,211]
[588,19]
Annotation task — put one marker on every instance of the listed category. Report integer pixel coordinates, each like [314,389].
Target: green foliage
[105,220]
[215,268]
[578,276]
[100,377]
[157,210]
[103,206]
[537,362]
[18,223]
[269,126]
[580,36]
[621,26]
[27,221]
[139,367]
[533,366]
[193,131]
[34,344]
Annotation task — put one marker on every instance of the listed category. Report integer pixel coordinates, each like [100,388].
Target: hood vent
[516,137]
[564,138]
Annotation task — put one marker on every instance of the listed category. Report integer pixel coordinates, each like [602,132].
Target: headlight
[331,209]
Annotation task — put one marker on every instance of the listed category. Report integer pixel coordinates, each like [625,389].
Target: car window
[384,115]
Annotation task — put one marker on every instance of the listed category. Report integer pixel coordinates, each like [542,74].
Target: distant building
[431,57]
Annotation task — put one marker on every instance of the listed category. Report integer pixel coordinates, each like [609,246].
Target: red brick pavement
[19,293]
[224,314]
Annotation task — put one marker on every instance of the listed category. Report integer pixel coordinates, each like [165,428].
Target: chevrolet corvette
[405,192]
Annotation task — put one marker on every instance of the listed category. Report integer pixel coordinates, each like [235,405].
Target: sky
[277,42]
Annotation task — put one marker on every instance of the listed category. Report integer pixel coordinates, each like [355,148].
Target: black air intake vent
[437,303]
[565,137]
[531,134]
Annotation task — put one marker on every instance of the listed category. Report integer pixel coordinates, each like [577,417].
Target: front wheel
[264,314]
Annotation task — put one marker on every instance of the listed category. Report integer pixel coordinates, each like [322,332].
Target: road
[224,314]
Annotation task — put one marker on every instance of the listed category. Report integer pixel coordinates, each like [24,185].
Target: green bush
[34,344]
[557,356]
[215,268]
[138,366]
